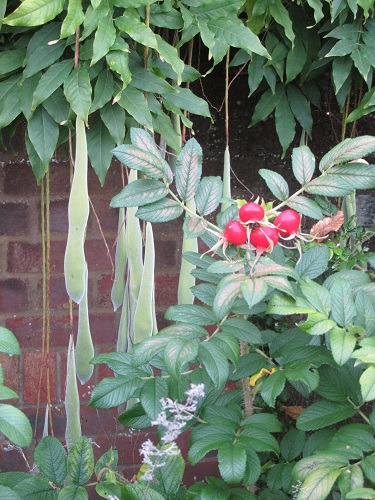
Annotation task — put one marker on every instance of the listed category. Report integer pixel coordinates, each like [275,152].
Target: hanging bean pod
[72,404]
[84,345]
[144,316]
[186,279]
[78,212]
[123,334]
[117,292]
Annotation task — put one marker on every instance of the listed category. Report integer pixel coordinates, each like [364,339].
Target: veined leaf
[313,262]
[279,304]
[367,382]
[319,483]
[329,185]
[215,362]
[208,194]
[178,352]
[139,193]
[81,461]
[254,290]
[51,460]
[356,175]
[35,12]
[343,307]
[349,149]
[77,90]
[160,211]
[324,413]
[276,183]
[153,390]
[306,206]
[226,293]
[51,80]
[191,313]
[342,345]
[303,164]
[112,392]
[232,462]
[189,170]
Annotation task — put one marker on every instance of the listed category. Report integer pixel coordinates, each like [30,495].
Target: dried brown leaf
[293,411]
[328,225]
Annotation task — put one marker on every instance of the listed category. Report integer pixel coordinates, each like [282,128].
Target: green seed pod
[226,179]
[72,404]
[117,292]
[123,334]
[144,316]
[186,279]
[78,212]
[134,246]
[84,345]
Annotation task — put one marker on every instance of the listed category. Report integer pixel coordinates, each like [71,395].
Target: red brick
[113,180]
[105,288]
[14,218]
[166,290]
[166,255]
[108,217]
[25,257]
[98,422]
[97,256]
[10,366]
[32,361]
[103,329]
[13,295]
[20,180]
[128,443]
[59,216]
[60,177]
[197,473]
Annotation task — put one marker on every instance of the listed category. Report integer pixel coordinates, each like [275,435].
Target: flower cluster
[173,418]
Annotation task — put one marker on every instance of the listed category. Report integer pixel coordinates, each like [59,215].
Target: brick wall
[21,302]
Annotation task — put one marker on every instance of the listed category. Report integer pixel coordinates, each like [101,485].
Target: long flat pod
[134,246]
[118,287]
[186,279]
[143,318]
[123,334]
[72,404]
[78,212]
[84,345]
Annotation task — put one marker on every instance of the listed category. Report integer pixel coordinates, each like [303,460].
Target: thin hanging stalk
[226,173]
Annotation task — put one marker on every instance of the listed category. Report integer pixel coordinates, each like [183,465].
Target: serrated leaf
[319,483]
[152,392]
[329,185]
[226,293]
[342,345]
[279,304]
[313,262]
[189,170]
[148,163]
[112,392]
[34,12]
[73,492]
[35,488]
[349,149]
[356,175]
[317,295]
[77,90]
[254,290]
[306,206]
[208,195]
[276,183]
[228,345]
[258,440]
[169,476]
[178,352]
[303,164]
[232,462]
[367,382]
[272,386]
[50,458]
[81,461]
[242,329]
[215,363]
[324,413]
[191,313]
[8,342]
[139,193]
[343,307]
[199,448]
[160,211]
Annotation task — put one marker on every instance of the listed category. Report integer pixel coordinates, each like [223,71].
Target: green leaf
[303,164]
[8,342]
[329,185]
[185,99]
[139,193]
[368,467]
[112,392]
[313,262]
[242,329]
[152,392]
[343,307]
[191,313]
[77,90]
[58,107]
[103,90]
[324,413]
[306,206]
[281,16]
[300,107]
[356,175]
[254,290]
[35,161]
[43,132]
[319,483]
[139,159]
[276,183]
[9,100]
[143,79]
[279,304]
[367,382]
[342,345]
[232,462]
[215,363]
[285,123]
[118,61]
[105,37]
[178,352]
[317,295]
[228,345]
[81,461]
[349,149]
[208,195]
[304,467]
[265,106]
[73,19]
[36,488]
[295,60]
[15,425]
[341,69]
[108,459]
[43,56]
[258,440]
[200,447]
[169,476]
[113,117]
[292,444]
[52,79]
[10,60]
[8,493]
[351,478]
[73,492]
[34,12]
[50,458]
[226,293]
[361,493]
[272,387]
[6,392]
[160,211]
[189,170]
[99,146]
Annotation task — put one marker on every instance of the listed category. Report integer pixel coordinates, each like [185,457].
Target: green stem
[366,419]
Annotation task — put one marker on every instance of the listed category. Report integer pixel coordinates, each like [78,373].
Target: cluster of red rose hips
[257,230]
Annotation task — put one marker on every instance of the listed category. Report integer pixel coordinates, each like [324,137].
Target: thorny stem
[248,395]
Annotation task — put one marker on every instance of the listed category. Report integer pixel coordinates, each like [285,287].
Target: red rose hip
[264,237]
[235,233]
[251,212]
[288,222]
